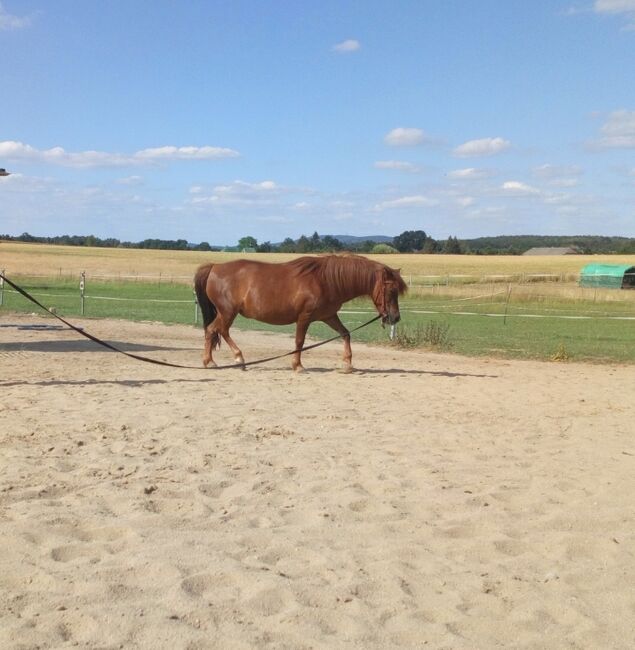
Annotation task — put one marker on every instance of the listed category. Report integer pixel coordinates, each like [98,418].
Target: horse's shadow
[212,375]
[130,383]
[360,372]
[80,345]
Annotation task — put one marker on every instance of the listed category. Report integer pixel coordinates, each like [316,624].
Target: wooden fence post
[82,283]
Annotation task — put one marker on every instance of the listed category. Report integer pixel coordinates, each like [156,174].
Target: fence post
[82,283]
[2,289]
[509,294]
[195,309]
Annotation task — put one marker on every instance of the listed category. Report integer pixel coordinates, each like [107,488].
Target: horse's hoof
[346,370]
[208,363]
[299,369]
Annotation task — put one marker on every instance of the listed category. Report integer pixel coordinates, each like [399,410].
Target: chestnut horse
[304,290]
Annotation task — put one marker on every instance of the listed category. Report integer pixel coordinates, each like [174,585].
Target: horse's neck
[354,286]
[363,289]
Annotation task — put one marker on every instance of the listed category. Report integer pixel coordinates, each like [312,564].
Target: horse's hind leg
[300,334]
[340,328]
[212,340]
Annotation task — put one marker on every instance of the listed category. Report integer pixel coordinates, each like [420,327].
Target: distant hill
[351,239]
[518,244]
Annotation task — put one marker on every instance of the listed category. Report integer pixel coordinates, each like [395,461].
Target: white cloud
[242,188]
[558,175]
[130,180]
[349,45]
[13,150]
[482,147]
[398,165]
[405,137]
[618,132]
[617,7]
[465,201]
[416,201]
[469,173]
[614,6]
[185,153]
[237,193]
[549,172]
[519,188]
[9,21]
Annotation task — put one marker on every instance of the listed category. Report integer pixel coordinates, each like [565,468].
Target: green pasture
[497,324]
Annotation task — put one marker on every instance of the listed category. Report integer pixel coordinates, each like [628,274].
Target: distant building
[568,250]
[4,172]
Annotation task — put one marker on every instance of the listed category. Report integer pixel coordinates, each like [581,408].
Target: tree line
[409,241]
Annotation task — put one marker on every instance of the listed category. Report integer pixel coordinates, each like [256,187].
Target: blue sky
[208,121]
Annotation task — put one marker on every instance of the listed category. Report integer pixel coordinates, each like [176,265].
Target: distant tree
[628,248]
[203,246]
[431,246]
[265,247]
[383,249]
[452,246]
[303,245]
[409,241]
[366,246]
[247,242]
[287,246]
[330,243]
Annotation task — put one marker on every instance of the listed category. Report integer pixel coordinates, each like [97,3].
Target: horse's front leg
[300,334]
[340,328]
[238,355]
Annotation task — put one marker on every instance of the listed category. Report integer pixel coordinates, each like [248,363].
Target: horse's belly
[271,316]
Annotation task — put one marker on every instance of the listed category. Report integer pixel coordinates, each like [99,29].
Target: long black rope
[139,357]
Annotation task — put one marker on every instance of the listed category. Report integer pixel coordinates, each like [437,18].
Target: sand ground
[427,500]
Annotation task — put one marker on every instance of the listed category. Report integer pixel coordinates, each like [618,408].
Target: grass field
[526,322]
[60,261]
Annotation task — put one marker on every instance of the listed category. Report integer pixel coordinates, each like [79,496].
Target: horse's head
[389,285]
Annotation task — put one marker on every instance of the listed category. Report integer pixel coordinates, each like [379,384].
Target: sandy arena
[426,500]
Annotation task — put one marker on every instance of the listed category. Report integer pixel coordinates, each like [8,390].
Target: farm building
[568,250]
[611,276]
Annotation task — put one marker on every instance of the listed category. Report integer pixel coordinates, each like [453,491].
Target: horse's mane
[343,273]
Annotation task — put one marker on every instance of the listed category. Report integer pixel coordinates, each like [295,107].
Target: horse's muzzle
[391,319]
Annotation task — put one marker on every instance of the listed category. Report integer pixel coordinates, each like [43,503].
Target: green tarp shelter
[611,276]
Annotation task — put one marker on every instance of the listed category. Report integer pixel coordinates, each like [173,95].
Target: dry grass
[41,259]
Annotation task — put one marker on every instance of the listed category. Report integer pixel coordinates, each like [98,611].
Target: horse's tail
[208,308]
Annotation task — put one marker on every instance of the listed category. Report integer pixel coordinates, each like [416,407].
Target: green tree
[431,246]
[247,242]
[330,243]
[409,241]
[452,246]
[303,245]
[287,246]
[383,249]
